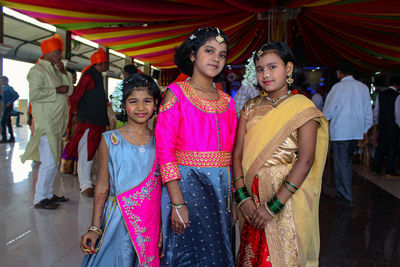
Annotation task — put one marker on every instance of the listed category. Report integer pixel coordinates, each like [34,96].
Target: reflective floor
[365,235]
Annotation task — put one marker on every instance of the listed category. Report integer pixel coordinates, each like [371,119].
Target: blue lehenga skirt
[208,240]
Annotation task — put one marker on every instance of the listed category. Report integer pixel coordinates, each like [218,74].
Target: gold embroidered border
[209,106]
[171,102]
[204,159]
[169,172]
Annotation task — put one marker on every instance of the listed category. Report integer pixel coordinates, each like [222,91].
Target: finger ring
[86,250]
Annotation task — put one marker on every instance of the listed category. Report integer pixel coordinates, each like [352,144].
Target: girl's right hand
[91,236]
[248,209]
[176,223]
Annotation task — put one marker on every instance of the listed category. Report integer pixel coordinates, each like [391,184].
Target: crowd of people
[171,197]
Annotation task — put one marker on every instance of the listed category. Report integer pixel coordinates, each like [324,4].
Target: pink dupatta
[140,208]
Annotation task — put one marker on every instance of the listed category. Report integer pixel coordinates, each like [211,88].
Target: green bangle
[288,188]
[178,205]
[292,185]
[238,178]
[241,194]
[278,202]
[272,207]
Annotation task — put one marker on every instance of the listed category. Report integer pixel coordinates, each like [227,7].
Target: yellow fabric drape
[264,138]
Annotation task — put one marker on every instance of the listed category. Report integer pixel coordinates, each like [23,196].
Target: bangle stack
[274,206]
[241,195]
[286,183]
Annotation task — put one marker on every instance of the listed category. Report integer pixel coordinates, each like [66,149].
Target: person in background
[317,98]
[348,108]
[9,95]
[386,112]
[49,87]
[89,103]
[129,70]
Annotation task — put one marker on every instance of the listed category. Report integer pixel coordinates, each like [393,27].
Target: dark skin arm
[248,208]
[100,197]
[307,138]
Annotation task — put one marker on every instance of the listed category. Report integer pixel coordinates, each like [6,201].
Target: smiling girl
[195,133]
[280,151]
[124,232]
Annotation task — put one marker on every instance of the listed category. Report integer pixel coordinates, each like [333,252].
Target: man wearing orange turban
[49,87]
[89,102]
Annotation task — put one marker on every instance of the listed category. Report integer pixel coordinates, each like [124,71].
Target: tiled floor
[366,235]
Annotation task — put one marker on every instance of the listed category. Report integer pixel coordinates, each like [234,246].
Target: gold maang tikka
[219,38]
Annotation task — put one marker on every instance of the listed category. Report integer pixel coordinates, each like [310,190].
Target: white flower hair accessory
[192,37]
[250,76]
[116,99]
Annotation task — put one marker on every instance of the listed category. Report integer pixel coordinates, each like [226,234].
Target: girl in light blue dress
[123,231]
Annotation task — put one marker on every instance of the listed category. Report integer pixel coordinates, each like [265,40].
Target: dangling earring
[289,79]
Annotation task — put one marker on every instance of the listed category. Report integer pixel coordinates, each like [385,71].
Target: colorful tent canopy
[364,31]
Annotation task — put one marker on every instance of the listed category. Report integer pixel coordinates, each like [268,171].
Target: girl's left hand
[234,215]
[261,218]
[160,243]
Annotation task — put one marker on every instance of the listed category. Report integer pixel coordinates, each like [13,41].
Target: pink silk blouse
[193,131]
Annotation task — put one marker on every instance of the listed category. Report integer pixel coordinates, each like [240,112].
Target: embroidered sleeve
[169,104]
[169,172]
[166,133]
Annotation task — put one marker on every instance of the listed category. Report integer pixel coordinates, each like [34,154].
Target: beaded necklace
[141,149]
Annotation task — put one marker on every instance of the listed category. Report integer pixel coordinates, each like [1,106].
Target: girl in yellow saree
[279,156]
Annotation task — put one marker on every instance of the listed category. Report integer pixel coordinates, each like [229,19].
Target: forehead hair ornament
[219,38]
[260,52]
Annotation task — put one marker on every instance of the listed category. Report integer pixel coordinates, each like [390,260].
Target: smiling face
[272,73]
[210,59]
[139,105]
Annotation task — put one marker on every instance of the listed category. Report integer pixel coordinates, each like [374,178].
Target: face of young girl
[272,73]
[210,58]
[139,106]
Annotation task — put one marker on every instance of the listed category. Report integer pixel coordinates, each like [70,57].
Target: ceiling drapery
[364,31]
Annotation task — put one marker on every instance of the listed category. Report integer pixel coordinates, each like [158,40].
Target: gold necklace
[275,101]
[201,87]
[141,149]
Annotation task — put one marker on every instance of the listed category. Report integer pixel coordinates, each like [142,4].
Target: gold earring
[289,79]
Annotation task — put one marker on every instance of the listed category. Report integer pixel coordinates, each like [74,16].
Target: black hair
[5,78]
[72,71]
[130,69]
[283,51]
[192,44]
[135,81]
[346,67]
[395,80]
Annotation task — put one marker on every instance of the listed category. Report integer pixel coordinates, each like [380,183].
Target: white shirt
[317,100]
[396,109]
[348,107]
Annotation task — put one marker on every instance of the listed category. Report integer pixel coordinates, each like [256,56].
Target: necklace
[201,87]
[275,101]
[141,149]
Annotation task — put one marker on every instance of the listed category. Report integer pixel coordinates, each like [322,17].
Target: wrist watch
[95,229]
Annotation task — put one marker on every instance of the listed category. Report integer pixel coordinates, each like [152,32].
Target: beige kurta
[49,109]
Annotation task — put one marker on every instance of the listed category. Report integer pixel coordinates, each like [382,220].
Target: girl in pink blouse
[195,134]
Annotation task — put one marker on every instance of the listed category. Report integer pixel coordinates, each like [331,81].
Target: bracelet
[269,211]
[178,206]
[275,205]
[243,200]
[292,185]
[95,229]
[238,178]
[180,217]
[241,194]
[288,188]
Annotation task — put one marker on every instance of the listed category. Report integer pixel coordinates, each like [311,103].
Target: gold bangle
[95,229]
[243,200]
[269,211]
